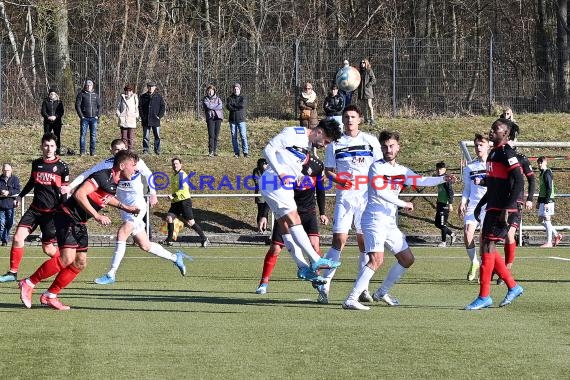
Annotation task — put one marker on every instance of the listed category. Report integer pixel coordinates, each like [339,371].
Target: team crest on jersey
[299,130]
[513,161]
[54,169]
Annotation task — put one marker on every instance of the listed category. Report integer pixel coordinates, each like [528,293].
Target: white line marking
[558,258]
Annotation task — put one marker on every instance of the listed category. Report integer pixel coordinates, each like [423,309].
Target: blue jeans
[90,122]
[146,138]
[6,222]
[240,128]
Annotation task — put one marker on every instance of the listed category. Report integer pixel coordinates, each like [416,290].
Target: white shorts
[136,220]
[380,231]
[280,200]
[470,216]
[545,210]
[347,211]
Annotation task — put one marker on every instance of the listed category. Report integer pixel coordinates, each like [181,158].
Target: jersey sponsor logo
[45,178]
[513,161]
[299,130]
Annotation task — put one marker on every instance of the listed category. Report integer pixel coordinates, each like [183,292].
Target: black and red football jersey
[105,186]
[504,179]
[46,180]
[310,185]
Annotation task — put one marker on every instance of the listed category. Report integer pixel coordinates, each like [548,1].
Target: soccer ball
[348,78]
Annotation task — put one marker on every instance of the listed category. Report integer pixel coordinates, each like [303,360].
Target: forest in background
[475,50]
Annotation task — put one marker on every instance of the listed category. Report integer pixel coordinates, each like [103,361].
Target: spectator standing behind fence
[9,187]
[308,117]
[236,104]
[213,110]
[151,110]
[262,206]
[334,105]
[52,112]
[444,206]
[128,113]
[365,90]
[88,108]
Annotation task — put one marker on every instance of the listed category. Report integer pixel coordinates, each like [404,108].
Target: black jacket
[151,109]
[11,184]
[52,108]
[334,105]
[236,105]
[87,104]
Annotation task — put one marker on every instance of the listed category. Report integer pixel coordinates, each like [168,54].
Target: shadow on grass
[224,222]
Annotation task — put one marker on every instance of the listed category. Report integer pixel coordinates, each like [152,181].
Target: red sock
[268,266]
[16,255]
[486,272]
[64,278]
[503,272]
[510,252]
[47,269]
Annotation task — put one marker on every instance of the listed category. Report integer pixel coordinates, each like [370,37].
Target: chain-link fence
[414,76]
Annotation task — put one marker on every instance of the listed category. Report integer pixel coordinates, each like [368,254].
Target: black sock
[199,231]
[170,231]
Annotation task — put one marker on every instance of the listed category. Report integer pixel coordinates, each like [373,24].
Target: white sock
[363,260]
[302,240]
[294,251]
[30,283]
[472,253]
[120,248]
[157,250]
[549,231]
[396,271]
[332,254]
[361,283]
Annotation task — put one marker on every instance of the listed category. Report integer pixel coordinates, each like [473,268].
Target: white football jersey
[353,156]
[288,151]
[386,183]
[128,191]
[473,193]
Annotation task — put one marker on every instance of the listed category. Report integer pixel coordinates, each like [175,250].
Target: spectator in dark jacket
[52,112]
[9,187]
[151,110]
[365,90]
[88,108]
[236,104]
[213,110]
[334,105]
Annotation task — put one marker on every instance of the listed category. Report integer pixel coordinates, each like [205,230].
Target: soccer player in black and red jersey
[504,180]
[510,241]
[92,195]
[49,173]
[305,199]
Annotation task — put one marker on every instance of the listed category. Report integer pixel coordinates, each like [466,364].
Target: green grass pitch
[154,323]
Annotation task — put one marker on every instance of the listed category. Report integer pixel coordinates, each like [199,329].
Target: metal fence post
[491,75]
[99,64]
[394,110]
[198,84]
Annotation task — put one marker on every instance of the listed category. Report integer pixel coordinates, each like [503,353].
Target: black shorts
[514,219]
[34,218]
[70,233]
[182,209]
[308,221]
[494,229]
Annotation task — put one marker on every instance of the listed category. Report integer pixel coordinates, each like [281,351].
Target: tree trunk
[562,48]
[63,75]
[543,55]
[122,44]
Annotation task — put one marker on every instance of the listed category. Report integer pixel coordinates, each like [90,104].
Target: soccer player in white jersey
[473,173]
[131,193]
[386,179]
[286,153]
[347,162]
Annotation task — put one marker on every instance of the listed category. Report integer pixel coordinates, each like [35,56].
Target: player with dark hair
[70,221]
[504,180]
[48,175]
[305,192]
[386,178]
[286,154]
[347,162]
[546,194]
